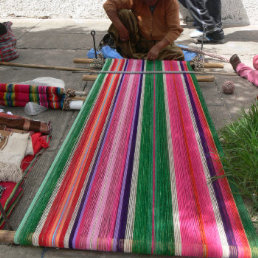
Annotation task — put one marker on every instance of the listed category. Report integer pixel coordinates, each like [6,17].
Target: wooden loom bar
[90,61]
[92,71]
[83,61]
[200,78]
[7,237]
[61,68]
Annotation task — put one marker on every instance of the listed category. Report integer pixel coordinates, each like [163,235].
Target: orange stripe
[92,134]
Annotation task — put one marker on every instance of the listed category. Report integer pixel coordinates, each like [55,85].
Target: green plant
[240,145]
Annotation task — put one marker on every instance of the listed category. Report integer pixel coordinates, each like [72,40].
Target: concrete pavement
[57,43]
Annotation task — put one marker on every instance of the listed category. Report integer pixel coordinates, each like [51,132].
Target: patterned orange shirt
[162,23]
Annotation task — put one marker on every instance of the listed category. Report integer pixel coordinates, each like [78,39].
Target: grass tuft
[240,145]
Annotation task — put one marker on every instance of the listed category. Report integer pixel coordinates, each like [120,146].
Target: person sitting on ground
[245,71]
[145,29]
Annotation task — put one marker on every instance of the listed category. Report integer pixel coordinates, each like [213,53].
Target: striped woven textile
[134,173]
[18,95]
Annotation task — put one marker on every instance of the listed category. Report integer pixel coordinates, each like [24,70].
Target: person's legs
[248,73]
[198,26]
[200,14]
[214,9]
[204,20]
[243,70]
[126,49]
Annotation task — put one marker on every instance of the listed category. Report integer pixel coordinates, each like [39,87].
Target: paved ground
[57,43]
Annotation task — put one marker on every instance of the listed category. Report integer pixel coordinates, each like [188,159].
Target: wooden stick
[205,78]
[198,51]
[87,77]
[79,98]
[7,237]
[90,61]
[83,61]
[213,65]
[81,93]
[61,68]
[200,78]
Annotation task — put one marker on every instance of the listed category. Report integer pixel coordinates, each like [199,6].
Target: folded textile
[20,94]
[39,141]
[11,195]
[13,148]
[23,123]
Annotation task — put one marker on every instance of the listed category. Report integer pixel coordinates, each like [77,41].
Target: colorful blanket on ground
[22,123]
[134,173]
[17,95]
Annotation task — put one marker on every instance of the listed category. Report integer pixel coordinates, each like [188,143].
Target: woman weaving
[145,29]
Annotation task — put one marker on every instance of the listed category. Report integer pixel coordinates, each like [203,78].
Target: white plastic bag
[33,109]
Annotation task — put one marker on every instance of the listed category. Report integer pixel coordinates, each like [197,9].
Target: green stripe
[245,217]
[164,237]
[142,234]
[39,203]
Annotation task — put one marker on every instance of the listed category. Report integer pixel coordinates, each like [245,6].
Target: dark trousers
[206,13]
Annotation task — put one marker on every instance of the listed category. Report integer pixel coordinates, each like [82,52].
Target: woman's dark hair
[3,29]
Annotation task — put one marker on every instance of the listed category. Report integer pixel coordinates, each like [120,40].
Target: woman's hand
[153,53]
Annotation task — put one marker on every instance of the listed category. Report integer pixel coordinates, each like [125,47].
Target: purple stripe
[94,169]
[215,184]
[124,197]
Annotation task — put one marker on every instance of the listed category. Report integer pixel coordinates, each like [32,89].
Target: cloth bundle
[13,148]
[8,49]
[16,161]
[134,173]
[22,123]
[18,95]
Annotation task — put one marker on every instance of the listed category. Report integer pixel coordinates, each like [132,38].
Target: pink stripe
[207,212]
[232,211]
[189,226]
[109,175]
[154,141]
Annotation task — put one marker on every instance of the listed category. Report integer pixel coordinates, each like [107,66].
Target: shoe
[234,61]
[216,37]
[196,34]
